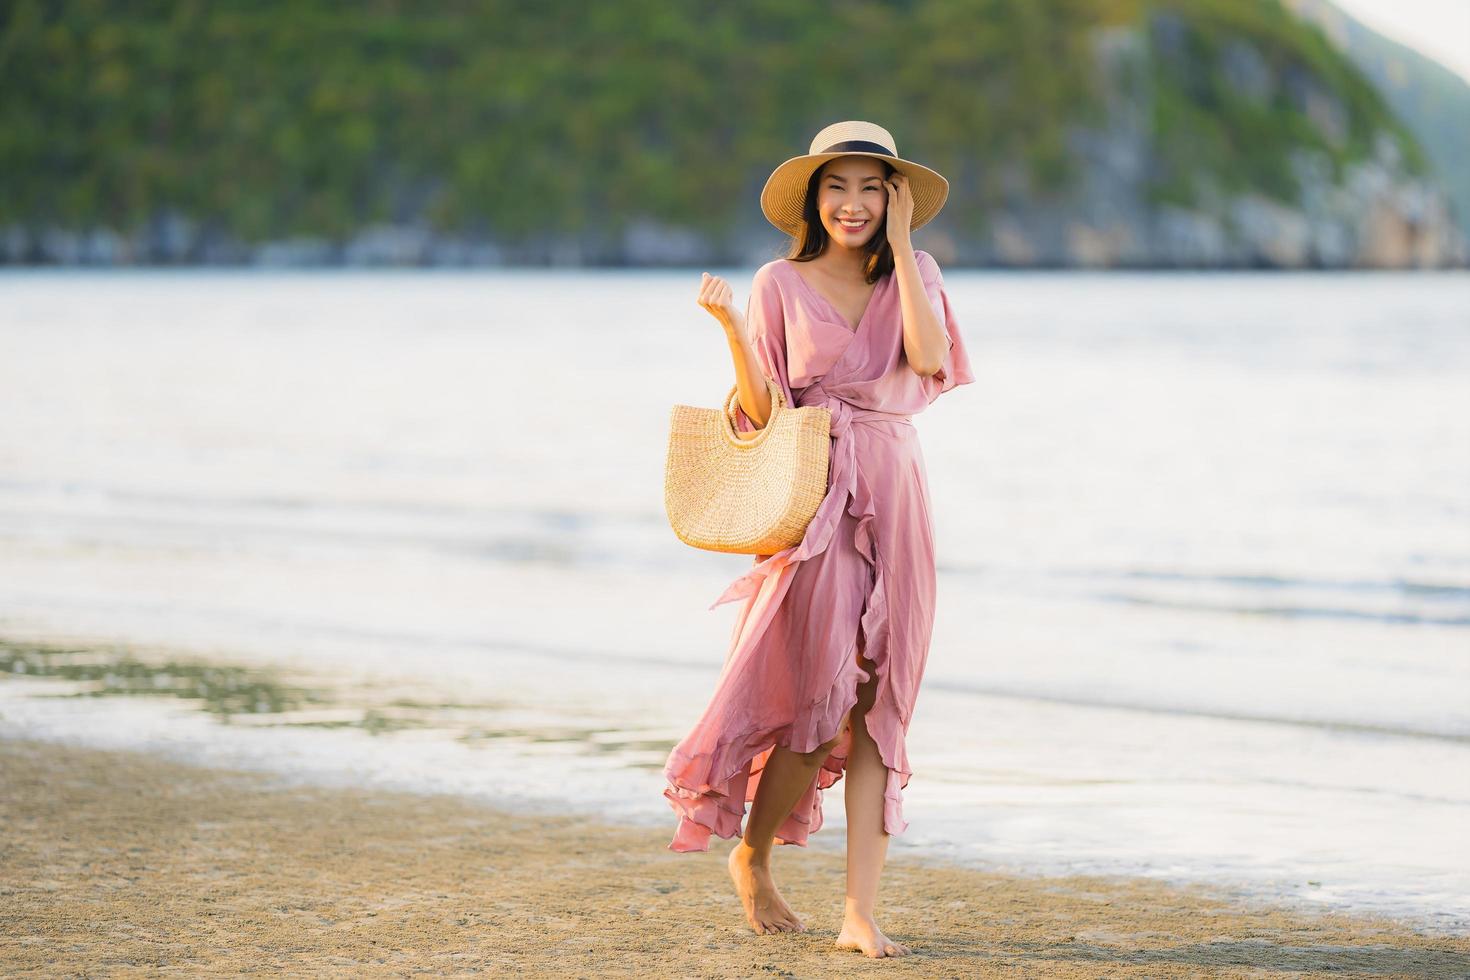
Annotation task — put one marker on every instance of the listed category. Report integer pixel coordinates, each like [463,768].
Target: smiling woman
[831,640]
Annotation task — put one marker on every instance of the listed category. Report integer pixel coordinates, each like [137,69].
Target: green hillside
[517,119]
[1208,123]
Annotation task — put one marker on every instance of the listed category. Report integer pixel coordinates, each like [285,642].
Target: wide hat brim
[785,191]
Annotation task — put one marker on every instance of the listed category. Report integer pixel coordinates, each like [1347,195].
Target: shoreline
[121,861]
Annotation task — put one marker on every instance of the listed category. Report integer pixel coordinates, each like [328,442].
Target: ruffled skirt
[792,673]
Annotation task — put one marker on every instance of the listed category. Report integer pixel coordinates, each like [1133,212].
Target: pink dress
[866,562]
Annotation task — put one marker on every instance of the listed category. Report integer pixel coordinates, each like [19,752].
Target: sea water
[1203,545]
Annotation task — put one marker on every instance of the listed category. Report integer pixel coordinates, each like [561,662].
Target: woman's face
[851,188]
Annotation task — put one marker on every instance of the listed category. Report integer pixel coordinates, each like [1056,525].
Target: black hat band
[862,146]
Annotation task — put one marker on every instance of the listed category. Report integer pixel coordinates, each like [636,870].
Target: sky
[1437,28]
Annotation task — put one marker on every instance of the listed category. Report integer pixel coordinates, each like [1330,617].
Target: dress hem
[700,810]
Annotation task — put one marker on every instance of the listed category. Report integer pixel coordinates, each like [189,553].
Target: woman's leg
[867,841]
[784,779]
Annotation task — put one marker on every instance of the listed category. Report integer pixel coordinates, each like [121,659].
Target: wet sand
[120,863]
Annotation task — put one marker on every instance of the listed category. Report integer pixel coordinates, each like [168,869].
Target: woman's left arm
[925,341]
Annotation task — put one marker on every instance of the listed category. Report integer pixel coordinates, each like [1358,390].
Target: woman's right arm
[750,379]
[715,296]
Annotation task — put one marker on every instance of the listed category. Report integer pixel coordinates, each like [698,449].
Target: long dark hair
[814,238]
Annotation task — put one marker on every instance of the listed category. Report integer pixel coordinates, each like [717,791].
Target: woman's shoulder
[768,296]
[929,270]
[768,278]
[771,269]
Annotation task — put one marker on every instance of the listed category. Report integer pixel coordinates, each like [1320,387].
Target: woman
[830,644]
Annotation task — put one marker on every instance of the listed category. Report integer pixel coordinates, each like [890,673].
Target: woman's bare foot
[765,909]
[863,934]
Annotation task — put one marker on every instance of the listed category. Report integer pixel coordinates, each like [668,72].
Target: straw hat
[785,189]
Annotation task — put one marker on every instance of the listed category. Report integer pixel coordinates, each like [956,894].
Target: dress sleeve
[765,326]
[955,369]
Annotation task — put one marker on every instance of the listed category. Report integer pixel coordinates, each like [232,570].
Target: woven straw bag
[747,493]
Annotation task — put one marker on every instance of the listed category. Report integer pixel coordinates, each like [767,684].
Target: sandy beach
[120,863]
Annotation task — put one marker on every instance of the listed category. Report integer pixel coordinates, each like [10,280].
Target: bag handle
[743,440]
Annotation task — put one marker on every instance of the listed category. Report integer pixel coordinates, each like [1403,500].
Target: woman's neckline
[873,295]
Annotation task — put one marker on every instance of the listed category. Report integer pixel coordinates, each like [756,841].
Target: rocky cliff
[1368,212]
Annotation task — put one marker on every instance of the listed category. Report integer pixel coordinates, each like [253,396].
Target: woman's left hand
[900,211]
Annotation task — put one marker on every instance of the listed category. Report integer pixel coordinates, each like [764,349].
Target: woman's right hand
[718,299]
